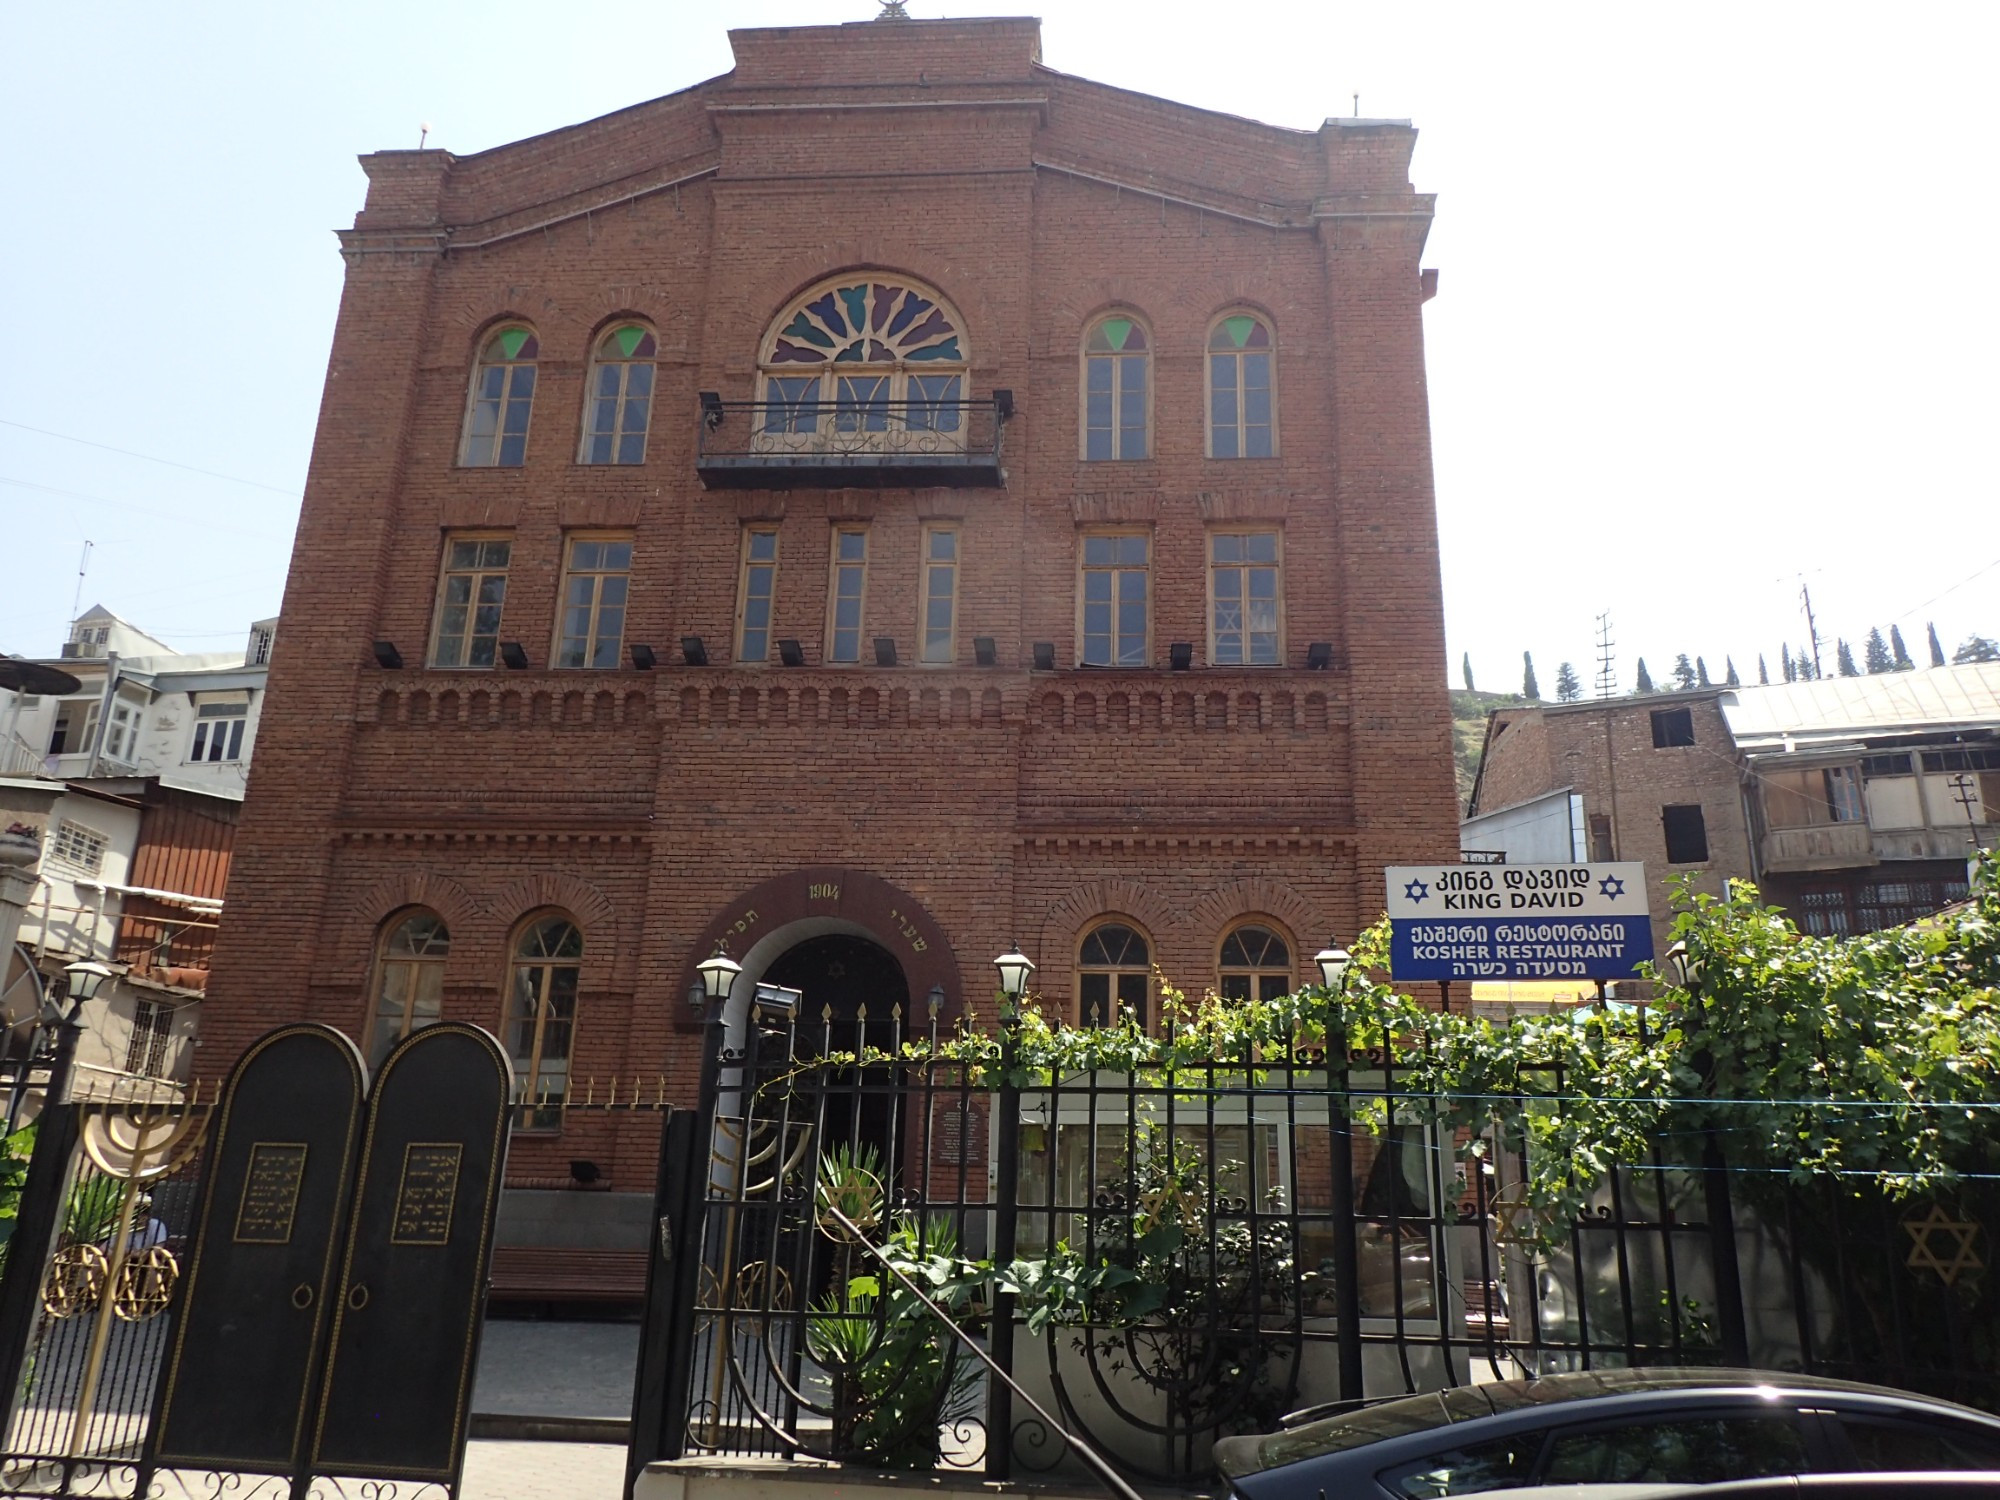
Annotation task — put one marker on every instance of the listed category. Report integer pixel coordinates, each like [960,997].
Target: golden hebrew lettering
[270,1193]
[426,1194]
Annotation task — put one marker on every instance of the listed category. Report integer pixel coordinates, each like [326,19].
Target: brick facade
[1604,752]
[941,811]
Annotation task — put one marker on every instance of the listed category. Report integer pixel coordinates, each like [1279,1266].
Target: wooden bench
[553,1273]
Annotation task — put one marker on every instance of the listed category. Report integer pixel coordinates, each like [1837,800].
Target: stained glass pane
[513,341]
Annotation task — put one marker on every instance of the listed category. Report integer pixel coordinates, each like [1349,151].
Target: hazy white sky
[1718,306]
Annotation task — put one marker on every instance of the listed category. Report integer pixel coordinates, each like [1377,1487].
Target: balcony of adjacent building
[854,441]
[1898,806]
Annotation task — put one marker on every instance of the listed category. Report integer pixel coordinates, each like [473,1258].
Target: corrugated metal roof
[1846,708]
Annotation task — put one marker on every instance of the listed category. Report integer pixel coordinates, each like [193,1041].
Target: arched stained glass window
[1239,388]
[541,1016]
[1114,974]
[409,983]
[503,392]
[1256,964]
[865,361]
[1116,405]
[620,400]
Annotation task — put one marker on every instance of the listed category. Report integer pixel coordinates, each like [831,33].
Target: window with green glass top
[1239,388]
[503,394]
[1117,359]
[620,402]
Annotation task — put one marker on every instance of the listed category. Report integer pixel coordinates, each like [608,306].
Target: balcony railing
[1818,846]
[866,444]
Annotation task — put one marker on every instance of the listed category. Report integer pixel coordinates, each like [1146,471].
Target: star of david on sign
[1611,886]
[1416,890]
[1943,1244]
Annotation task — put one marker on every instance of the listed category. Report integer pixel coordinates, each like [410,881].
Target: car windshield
[1238,1456]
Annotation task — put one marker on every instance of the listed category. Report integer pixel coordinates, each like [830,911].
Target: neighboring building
[1868,794]
[1852,801]
[890,502]
[132,785]
[143,709]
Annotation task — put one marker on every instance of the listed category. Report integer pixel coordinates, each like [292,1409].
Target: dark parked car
[1648,1426]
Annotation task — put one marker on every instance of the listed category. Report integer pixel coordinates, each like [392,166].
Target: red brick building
[889,502]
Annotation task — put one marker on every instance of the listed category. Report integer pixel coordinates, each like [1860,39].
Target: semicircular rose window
[864,363]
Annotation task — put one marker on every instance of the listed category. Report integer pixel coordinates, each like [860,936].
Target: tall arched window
[503,391]
[409,980]
[541,1016]
[1116,399]
[620,400]
[864,362]
[1114,974]
[1239,388]
[1256,964]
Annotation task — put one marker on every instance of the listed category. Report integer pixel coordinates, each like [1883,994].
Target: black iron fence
[1161,1256]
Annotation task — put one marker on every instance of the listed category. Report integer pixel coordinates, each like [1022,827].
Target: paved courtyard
[543,1471]
[536,1368]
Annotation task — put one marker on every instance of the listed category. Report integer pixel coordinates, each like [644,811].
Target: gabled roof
[1836,710]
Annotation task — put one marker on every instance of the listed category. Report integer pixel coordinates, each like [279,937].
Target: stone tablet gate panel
[406,1328]
[236,1392]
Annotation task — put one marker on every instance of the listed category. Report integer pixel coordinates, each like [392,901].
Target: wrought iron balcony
[778,445]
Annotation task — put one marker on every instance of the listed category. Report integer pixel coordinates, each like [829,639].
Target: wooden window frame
[1083,569]
[834,565]
[743,567]
[219,729]
[593,636]
[1277,533]
[69,831]
[535,1116]
[1256,972]
[1209,356]
[1115,971]
[925,564]
[416,966]
[151,1039]
[1085,356]
[479,571]
[512,366]
[588,434]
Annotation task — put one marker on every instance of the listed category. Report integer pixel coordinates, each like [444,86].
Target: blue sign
[1581,921]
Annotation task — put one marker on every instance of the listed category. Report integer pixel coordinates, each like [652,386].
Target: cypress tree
[1701,672]
[1791,667]
[1937,651]
[1846,659]
[1683,673]
[1898,651]
[1568,689]
[1729,677]
[1530,689]
[1465,666]
[1642,682]
[1764,672]
[1875,652]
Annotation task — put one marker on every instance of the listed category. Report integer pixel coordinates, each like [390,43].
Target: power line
[144,510]
[255,484]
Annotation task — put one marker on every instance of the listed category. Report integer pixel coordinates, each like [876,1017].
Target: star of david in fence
[1611,886]
[1416,890]
[1519,1226]
[1943,1244]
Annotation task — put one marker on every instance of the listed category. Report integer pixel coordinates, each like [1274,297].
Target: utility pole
[1812,627]
[1965,792]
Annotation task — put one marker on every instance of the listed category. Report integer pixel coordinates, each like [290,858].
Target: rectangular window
[471,591]
[792,404]
[78,847]
[1600,838]
[218,731]
[76,727]
[1873,766]
[1243,599]
[1687,835]
[596,576]
[121,732]
[152,1030]
[846,591]
[759,587]
[940,594]
[935,403]
[861,404]
[1970,758]
[1672,728]
[1114,598]
[1843,794]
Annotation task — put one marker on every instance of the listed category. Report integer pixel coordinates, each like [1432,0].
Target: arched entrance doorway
[841,978]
